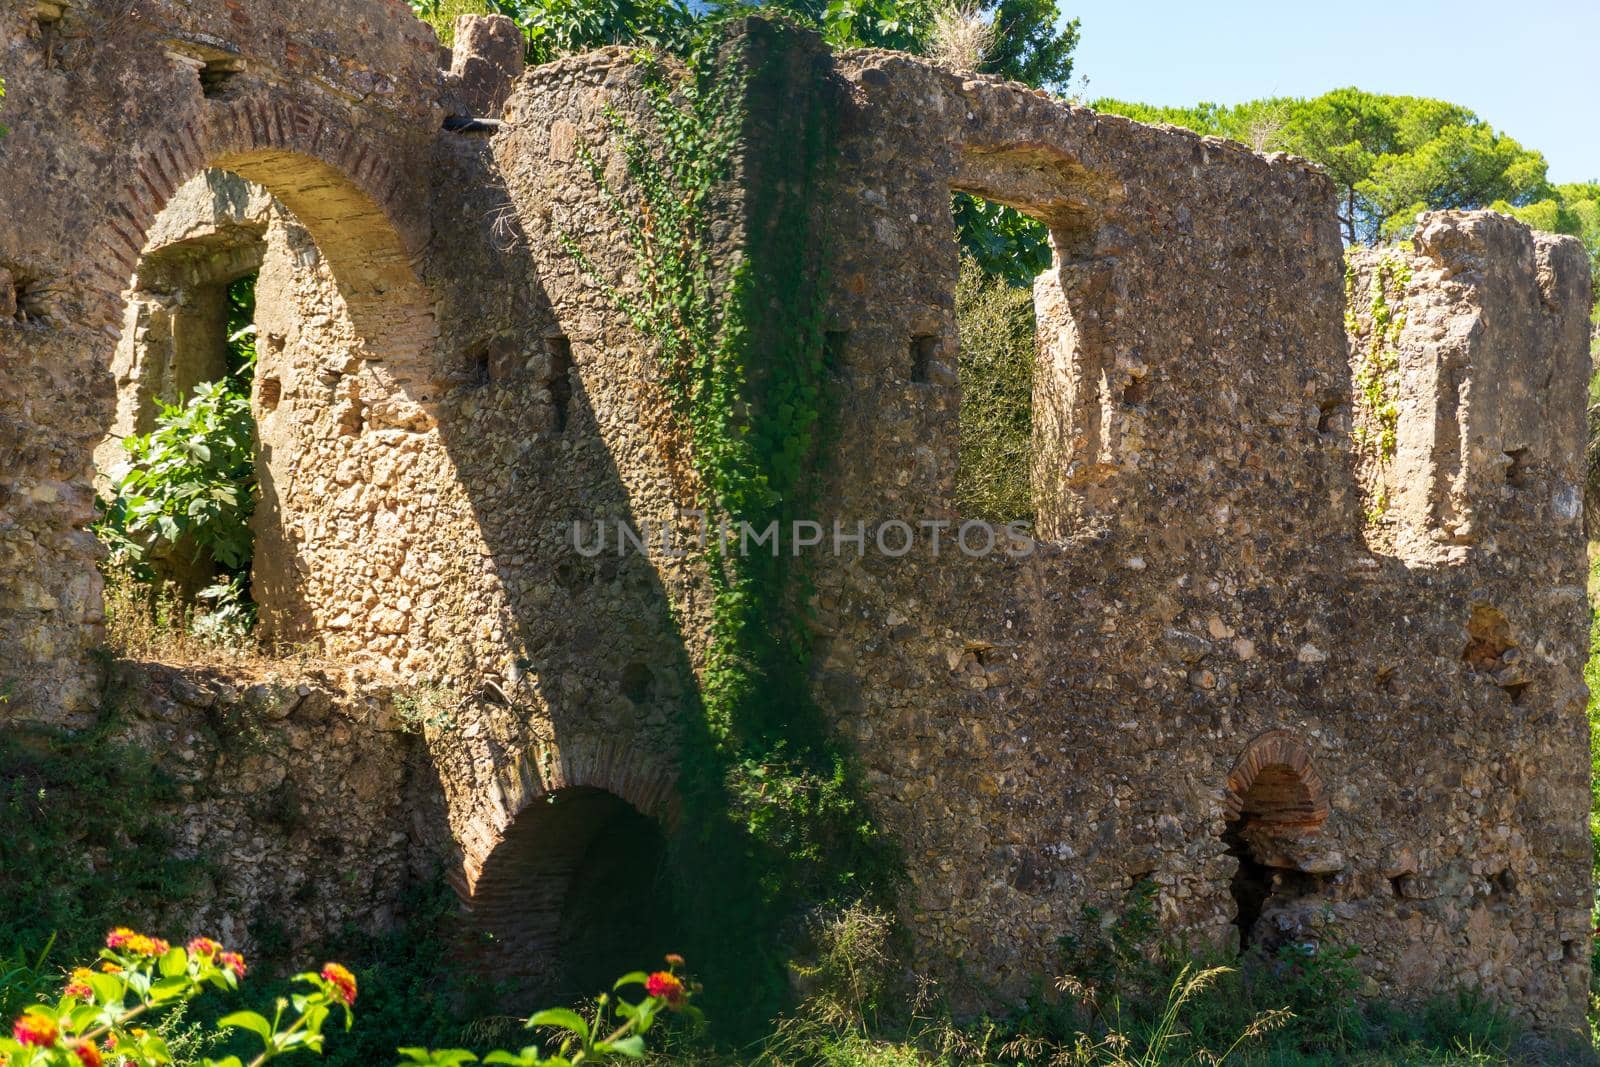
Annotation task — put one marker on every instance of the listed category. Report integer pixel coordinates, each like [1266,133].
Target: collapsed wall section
[1204,633]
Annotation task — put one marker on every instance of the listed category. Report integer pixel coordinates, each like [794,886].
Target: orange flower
[136,943]
[78,985]
[87,1054]
[232,961]
[342,979]
[35,1029]
[667,986]
[204,947]
[674,960]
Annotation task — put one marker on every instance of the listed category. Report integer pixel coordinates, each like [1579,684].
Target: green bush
[996,324]
[189,485]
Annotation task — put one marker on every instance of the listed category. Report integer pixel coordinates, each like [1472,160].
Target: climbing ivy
[773,820]
[1376,365]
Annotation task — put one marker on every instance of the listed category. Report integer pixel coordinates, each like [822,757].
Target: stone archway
[1275,807]
[564,875]
[339,185]
[348,378]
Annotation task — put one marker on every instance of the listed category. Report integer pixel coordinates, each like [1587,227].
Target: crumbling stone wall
[298,790]
[1205,613]
[1207,673]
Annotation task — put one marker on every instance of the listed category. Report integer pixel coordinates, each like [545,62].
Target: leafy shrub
[139,978]
[996,324]
[122,1011]
[189,484]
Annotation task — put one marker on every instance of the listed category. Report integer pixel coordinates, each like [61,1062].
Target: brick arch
[622,771]
[1276,784]
[342,184]
[569,843]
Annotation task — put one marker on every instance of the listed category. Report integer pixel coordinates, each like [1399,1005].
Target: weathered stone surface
[1209,658]
[486,58]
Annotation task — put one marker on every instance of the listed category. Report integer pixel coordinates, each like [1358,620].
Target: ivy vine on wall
[773,819]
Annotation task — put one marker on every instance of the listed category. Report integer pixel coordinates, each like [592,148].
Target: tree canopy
[1030,45]
[1390,156]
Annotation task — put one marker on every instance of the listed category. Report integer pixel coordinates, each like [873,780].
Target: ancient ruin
[1307,667]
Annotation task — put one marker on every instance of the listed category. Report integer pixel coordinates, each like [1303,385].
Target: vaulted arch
[1276,806]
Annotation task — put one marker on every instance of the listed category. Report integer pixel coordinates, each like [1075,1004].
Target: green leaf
[449,1057]
[630,1047]
[251,1021]
[175,962]
[564,1018]
[631,978]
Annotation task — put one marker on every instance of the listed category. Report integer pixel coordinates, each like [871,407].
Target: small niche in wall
[560,378]
[1136,392]
[924,349]
[271,393]
[217,75]
[834,343]
[1517,468]
[1333,416]
[47,15]
[22,297]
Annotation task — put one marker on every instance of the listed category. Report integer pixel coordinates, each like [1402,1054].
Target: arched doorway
[575,894]
[347,378]
[1275,810]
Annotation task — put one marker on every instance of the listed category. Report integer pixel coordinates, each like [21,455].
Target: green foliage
[1002,240]
[442,14]
[997,330]
[189,483]
[140,979]
[1377,364]
[556,28]
[87,838]
[616,1030]
[413,988]
[772,822]
[1389,156]
[188,486]
[1030,46]
[1034,45]
[1573,209]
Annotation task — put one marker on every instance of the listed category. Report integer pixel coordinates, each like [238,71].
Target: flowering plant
[616,1030]
[92,1022]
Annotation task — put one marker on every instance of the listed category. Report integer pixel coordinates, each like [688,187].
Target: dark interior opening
[1251,884]
[833,348]
[561,379]
[217,76]
[1273,840]
[576,894]
[923,349]
[1517,468]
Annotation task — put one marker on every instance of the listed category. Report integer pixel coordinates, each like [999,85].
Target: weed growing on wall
[772,820]
[1377,364]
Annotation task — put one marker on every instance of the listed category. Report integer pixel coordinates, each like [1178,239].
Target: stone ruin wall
[1210,641]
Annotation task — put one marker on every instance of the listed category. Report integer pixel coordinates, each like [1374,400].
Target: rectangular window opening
[217,76]
[924,348]
[560,378]
[1002,251]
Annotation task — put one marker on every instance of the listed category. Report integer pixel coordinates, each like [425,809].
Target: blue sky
[1532,69]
